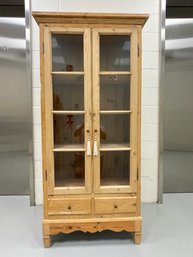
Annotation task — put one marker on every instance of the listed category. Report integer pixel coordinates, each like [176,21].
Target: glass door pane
[115,92]
[114,52]
[114,166]
[70,96]
[69,169]
[115,128]
[68,129]
[68,92]
[114,103]
[67,52]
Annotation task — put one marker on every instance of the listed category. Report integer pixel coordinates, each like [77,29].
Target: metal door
[14,108]
[178,106]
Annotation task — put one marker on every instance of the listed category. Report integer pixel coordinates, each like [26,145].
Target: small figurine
[69,67]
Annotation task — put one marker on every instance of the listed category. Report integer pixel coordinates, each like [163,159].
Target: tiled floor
[167,231]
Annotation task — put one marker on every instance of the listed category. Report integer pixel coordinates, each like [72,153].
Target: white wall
[150,82]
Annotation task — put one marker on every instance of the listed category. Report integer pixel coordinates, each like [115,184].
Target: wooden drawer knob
[115,206]
[69,207]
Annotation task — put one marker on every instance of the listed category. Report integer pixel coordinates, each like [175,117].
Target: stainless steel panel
[28,18]
[161,98]
[14,108]
[179,85]
[178,106]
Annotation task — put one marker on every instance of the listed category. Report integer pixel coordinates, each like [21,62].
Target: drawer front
[63,206]
[105,205]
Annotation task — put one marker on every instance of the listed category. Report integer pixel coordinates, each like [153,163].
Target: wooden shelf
[69,148]
[67,73]
[115,112]
[115,73]
[115,147]
[70,182]
[68,112]
[115,182]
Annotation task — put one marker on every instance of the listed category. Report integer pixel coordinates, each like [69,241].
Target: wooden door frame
[47,115]
[132,31]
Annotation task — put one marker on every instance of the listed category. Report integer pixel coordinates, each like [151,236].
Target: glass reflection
[69,169]
[116,128]
[115,168]
[114,52]
[68,129]
[67,52]
[68,92]
[115,92]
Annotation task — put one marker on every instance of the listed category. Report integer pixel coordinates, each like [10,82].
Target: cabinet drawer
[62,206]
[105,205]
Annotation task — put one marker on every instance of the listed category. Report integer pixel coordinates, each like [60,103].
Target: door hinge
[137,174]
[46,175]
[138,50]
[43,47]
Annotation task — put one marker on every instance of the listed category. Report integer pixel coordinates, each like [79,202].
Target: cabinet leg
[137,237]
[47,241]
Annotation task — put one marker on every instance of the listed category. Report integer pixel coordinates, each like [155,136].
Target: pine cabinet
[91,97]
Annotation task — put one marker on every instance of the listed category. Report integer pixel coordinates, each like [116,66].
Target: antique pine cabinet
[91,97]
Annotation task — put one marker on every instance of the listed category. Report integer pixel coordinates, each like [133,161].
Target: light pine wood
[70,190]
[46,236]
[131,31]
[69,73]
[137,237]
[105,205]
[87,106]
[96,106]
[118,73]
[69,206]
[92,225]
[134,105]
[48,111]
[114,188]
[139,31]
[43,122]
[118,183]
[115,147]
[90,18]
[90,206]
[47,241]
[70,183]
[69,148]
[68,112]
[69,30]
[115,112]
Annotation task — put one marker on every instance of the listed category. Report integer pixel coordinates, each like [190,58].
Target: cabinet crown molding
[90,18]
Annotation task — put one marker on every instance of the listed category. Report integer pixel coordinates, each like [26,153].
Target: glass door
[115,107]
[67,110]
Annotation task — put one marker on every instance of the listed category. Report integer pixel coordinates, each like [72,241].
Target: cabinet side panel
[48,118]
[43,127]
[139,31]
[134,107]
